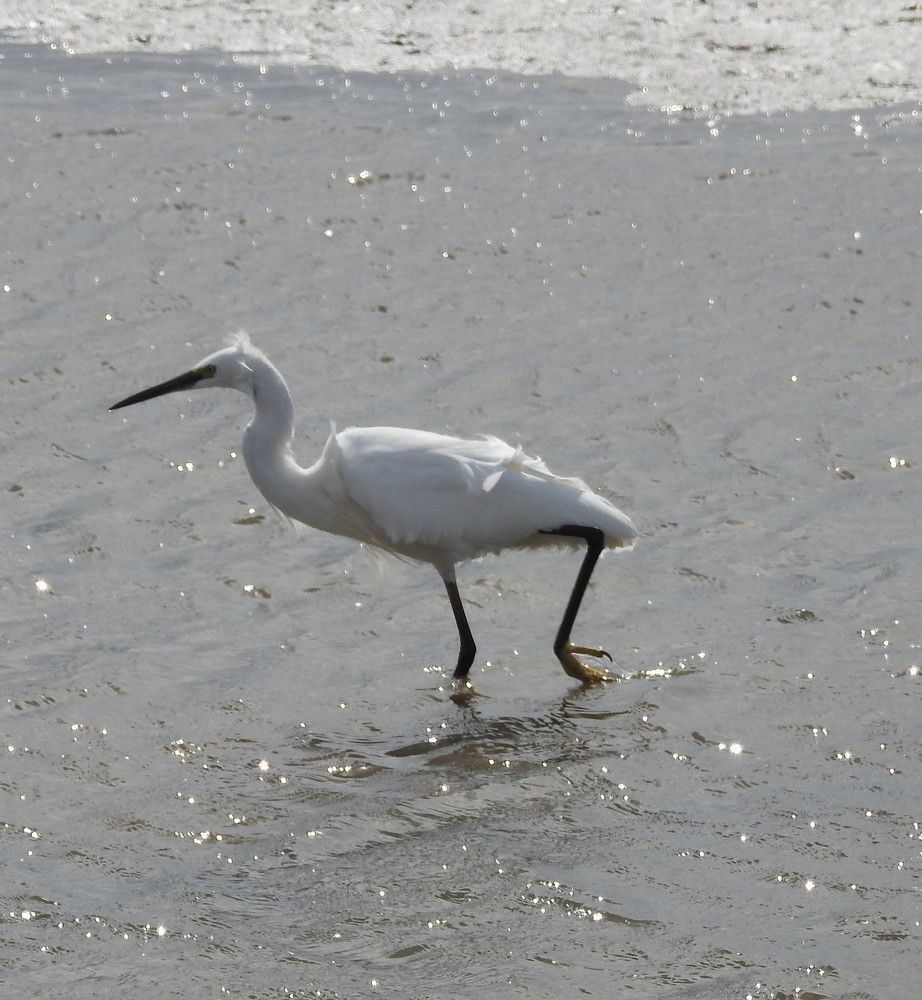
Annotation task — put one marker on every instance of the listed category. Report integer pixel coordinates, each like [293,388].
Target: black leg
[595,543]
[468,649]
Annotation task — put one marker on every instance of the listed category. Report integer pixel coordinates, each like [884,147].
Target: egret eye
[207,371]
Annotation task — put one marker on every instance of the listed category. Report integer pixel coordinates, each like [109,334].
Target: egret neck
[267,438]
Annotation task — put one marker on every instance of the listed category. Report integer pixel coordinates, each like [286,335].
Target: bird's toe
[592,651]
[582,671]
[462,691]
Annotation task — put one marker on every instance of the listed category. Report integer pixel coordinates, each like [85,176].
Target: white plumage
[457,498]
[423,496]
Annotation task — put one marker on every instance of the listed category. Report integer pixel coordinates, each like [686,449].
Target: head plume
[241,342]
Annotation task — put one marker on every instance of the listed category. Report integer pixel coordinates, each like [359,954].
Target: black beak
[184,381]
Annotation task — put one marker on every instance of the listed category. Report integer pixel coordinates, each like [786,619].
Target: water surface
[233,766]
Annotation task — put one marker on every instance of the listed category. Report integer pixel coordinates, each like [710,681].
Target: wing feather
[461,498]
[416,488]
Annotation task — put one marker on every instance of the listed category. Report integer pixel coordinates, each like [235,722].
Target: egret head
[230,368]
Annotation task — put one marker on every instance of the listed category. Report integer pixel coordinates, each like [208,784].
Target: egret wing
[419,488]
[458,499]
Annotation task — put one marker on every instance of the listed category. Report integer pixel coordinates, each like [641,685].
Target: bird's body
[423,496]
[430,497]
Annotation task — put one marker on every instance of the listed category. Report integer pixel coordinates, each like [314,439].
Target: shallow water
[233,766]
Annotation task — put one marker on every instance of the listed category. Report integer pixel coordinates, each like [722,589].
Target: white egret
[428,497]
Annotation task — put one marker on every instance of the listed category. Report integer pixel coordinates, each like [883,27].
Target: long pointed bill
[184,381]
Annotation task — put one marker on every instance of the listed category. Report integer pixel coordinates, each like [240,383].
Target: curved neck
[297,492]
[267,438]
[275,413]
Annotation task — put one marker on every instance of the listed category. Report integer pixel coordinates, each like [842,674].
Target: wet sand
[715,56]
[233,766]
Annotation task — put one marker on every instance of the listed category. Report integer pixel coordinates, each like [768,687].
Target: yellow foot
[590,651]
[462,691]
[576,668]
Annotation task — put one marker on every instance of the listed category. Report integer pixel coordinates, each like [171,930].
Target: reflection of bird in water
[427,497]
